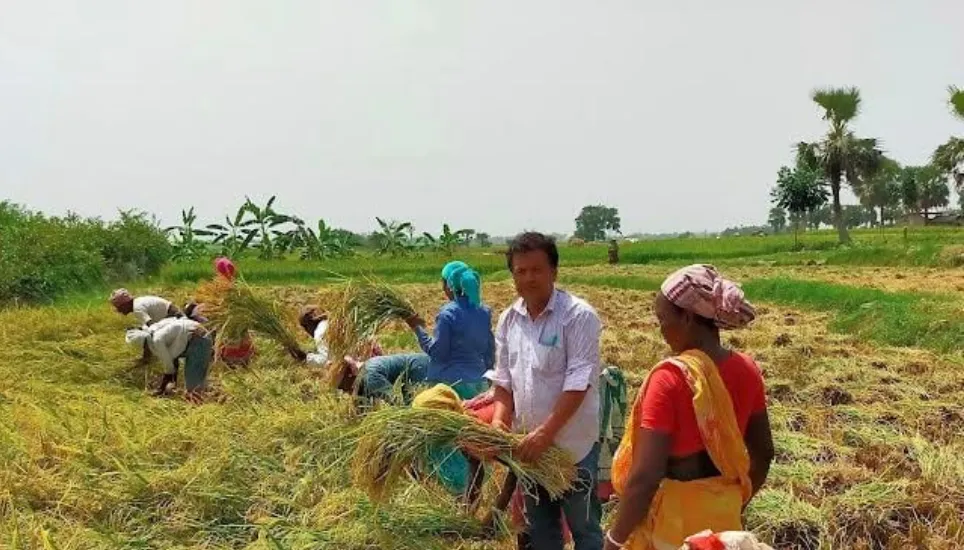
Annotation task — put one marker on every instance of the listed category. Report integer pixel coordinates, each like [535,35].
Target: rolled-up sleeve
[501,376]
[582,350]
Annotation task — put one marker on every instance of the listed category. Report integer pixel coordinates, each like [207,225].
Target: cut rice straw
[232,308]
[390,440]
[363,309]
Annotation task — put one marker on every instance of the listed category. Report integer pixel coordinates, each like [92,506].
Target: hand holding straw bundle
[363,309]
[390,440]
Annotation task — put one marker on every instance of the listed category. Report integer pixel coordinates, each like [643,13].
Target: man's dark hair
[531,241]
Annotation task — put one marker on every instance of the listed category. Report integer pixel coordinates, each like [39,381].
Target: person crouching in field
[697,445]
[173,339]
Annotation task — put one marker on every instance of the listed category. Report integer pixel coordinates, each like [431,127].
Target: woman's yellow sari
[681,509]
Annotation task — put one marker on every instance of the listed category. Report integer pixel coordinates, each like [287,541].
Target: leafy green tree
[483,239]
[777,219]
[924,188]
[798,191]
[841,155]
[883,189]
[593,222]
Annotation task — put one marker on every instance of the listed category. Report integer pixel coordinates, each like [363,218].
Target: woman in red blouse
[698,444]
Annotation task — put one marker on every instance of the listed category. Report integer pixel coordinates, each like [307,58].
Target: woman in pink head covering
[232,354]
[697,446]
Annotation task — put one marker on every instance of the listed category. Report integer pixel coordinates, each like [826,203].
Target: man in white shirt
[147,310]
[545,377]
[170,339]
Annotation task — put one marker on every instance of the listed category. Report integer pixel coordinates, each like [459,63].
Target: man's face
[533,275]
[125,307]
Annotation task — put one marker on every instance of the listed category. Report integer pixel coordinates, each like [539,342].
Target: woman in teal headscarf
[458,354]
[462,347]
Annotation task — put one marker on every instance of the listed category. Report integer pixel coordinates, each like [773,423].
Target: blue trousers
[581,506]
[382,372]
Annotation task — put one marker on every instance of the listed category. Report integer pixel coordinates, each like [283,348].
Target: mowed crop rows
[870,439]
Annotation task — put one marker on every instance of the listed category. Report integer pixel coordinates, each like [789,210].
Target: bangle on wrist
[612,541]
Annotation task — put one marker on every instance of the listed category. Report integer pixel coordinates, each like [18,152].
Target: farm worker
[146,309]
[546,381]
[698,444]
[171,339]
[462,347]
[315,322]
[241,352]
[453,468]
[459,352]
[612,415]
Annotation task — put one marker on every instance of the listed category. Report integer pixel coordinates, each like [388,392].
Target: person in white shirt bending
[546,383]
[171,339]
[147,310]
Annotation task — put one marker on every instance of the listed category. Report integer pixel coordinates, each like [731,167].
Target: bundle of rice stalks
[362,310]
[391,440]
[232,308]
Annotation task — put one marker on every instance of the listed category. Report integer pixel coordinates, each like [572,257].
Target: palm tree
[949,158]
[840,156]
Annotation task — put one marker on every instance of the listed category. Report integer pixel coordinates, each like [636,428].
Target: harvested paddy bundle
[361,311]
[390,440]
[233,308]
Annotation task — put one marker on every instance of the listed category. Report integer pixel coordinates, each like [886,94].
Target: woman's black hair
[529,242]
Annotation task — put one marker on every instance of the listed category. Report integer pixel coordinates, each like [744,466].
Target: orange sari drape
[681,509]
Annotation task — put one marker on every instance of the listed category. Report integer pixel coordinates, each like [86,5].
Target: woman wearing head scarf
[232,354]
[697,445]
[172,339]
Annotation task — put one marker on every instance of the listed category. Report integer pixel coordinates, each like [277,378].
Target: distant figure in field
[613,252]
[697,446]
[171,339]
[314,321]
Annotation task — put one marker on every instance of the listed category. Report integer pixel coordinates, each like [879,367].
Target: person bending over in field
[147,310]
[172,339]
[697,445]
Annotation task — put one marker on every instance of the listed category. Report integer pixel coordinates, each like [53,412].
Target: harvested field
[870,440]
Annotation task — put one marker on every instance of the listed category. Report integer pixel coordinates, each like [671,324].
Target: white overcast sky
[494,115]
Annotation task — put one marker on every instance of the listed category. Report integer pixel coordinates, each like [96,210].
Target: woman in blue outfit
[459,352]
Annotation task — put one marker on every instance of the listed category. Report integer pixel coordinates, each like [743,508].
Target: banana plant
[326,242]
[265,219]
[235,235]
[449,240]
[393,238]
[186,243]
